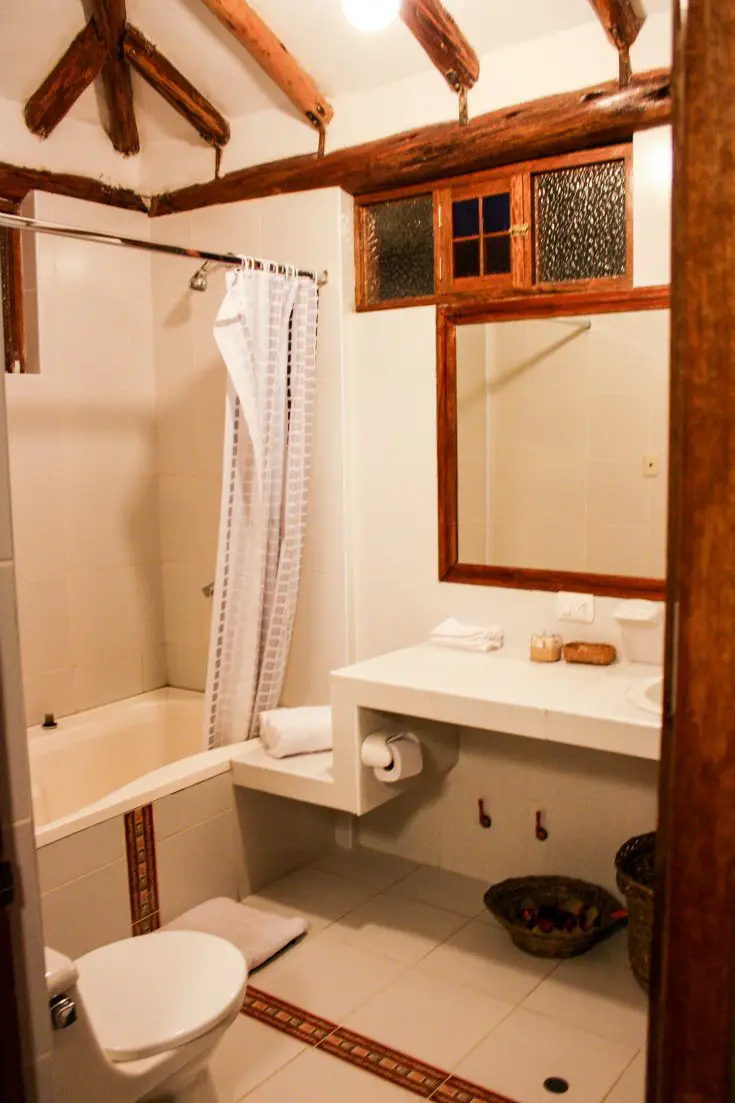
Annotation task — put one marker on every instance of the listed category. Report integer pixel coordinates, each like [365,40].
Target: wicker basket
[635,865]
[508,900]
[595,654]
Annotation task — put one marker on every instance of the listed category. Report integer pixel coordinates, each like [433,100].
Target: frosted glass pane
[399,249]
[580,223]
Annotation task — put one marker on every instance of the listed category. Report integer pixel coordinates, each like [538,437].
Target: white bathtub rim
[152,786]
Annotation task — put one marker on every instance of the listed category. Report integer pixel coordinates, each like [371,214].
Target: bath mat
[258,935]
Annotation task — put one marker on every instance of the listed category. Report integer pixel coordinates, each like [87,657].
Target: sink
[648,694]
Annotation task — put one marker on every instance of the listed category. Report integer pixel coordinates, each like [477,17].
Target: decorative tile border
[140,843]
[286,1018]
[406,1072]
[373,1057]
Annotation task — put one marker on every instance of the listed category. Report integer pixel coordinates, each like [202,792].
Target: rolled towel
[466,637]
[286,732]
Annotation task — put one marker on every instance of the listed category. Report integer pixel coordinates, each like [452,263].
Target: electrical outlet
[576,607]
[651,465]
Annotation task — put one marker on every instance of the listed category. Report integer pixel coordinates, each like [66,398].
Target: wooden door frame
[693,979]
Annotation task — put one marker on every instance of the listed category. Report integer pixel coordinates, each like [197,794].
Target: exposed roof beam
[109,15]
[74,72]
[273,58]
[16,182]
[621,20]
[434,29]
[557,124]
[166,79]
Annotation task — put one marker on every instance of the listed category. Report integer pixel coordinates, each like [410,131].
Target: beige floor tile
[369,867]
[428,1018]
[319,1078]
[617,1009]
[318,893]
[483,957]
[327,977]
[631,1087]
[443,889]
[526,1049]
[249,1053]
[402,930]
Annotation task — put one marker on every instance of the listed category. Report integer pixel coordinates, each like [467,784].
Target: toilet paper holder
[392,756]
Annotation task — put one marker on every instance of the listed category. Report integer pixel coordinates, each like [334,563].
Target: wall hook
[485,820]
[541,833]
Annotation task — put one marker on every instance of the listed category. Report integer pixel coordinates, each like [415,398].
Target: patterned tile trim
[355,1049]
[140,842]
[373,1057]
[286,1018]
[460,1091]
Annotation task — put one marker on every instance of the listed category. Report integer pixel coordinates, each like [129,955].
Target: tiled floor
[407,956]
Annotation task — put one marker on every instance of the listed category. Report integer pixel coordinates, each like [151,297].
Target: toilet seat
[154,993]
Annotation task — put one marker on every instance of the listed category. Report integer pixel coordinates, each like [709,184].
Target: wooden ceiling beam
[61,89]
[447,48]
[273,58]
[596,116]
[622,21]
[16,182]
[174,87]
[111,20]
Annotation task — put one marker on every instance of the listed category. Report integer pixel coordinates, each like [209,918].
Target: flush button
[63,1012]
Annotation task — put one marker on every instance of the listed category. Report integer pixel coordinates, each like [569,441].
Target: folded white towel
[466,637]
[258,935]
[286,732]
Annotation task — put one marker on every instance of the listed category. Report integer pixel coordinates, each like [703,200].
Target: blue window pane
[466,218]
[466,259]
[496,213]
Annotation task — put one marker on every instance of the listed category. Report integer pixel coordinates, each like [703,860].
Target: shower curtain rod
[20,222]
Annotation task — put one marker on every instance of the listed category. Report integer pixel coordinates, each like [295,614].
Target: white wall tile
[81,853]
[88,912]
[197,864]
[193,805]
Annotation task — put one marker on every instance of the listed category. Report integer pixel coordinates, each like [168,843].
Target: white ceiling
[34,33]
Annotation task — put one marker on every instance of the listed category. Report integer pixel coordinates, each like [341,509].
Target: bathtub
[106,761]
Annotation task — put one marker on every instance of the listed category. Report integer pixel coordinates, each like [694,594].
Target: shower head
[198,281]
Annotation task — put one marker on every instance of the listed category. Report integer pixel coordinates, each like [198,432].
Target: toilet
[136,1021]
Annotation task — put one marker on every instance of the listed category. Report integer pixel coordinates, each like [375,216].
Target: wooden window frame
[492,287]
[11,294]
[451,569]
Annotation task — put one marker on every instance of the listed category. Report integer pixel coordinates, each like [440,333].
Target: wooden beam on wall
[110,17]
[11,278]
[179,92]
[597,116]
[621,19]
[74,72]
[273,58]
[16,182]
[447,48]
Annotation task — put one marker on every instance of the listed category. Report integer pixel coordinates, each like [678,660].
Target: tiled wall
[205,841]
[82,461]
[190,379]
[16,822]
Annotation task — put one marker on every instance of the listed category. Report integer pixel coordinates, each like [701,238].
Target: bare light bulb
[371,15]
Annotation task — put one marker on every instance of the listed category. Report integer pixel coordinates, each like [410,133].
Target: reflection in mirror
[562,440]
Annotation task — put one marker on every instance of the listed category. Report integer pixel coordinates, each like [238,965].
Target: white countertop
[585,706]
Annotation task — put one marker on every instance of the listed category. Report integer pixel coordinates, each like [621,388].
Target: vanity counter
[584,706]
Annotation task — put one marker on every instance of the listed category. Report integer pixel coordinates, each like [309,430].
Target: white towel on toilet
[466,637]
[286,732]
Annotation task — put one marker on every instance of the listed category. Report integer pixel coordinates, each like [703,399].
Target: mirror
[555,458]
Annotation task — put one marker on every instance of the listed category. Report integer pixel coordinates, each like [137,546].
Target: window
[557,224]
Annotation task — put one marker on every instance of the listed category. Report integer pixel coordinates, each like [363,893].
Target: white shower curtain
[266,332]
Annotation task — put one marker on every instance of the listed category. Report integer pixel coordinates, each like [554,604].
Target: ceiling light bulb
[371,15]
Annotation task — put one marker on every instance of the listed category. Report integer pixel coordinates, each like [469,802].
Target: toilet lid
[153,993]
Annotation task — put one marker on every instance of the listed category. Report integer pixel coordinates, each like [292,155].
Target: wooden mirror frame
[524,307]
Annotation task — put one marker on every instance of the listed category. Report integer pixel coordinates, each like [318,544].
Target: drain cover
[556,1085]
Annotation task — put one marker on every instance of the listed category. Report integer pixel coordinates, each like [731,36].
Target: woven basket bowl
[508,899]
[635,865]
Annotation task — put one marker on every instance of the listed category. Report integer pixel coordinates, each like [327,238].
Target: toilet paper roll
[393,758]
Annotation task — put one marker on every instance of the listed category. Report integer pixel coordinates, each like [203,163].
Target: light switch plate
[576,607]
